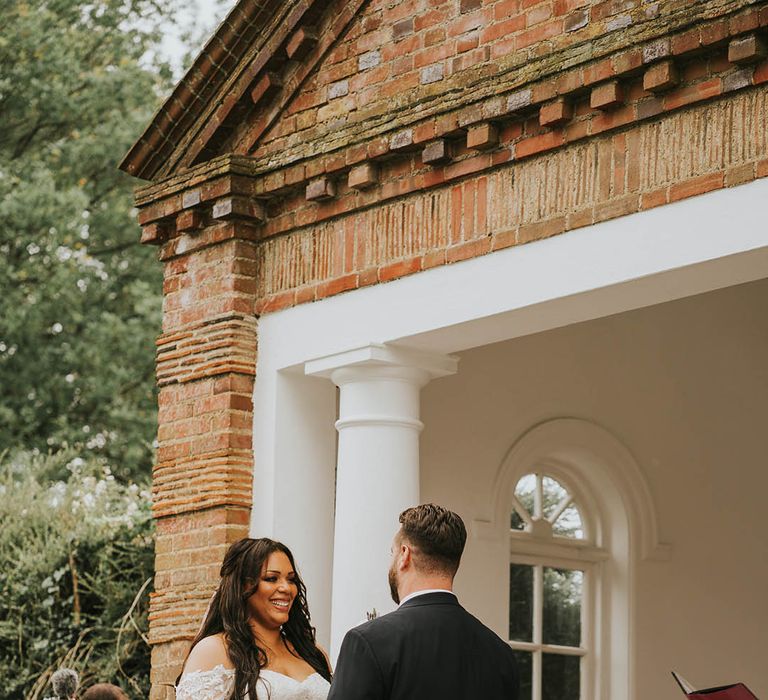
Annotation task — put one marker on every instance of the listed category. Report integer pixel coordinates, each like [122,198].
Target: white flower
[63,253]
[57,492]
[97,441]
[75,463]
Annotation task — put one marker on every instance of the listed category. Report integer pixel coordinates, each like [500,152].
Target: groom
[430,648]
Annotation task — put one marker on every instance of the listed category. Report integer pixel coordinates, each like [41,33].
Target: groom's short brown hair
[437,534]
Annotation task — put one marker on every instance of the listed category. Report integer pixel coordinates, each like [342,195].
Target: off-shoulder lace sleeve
[215,684]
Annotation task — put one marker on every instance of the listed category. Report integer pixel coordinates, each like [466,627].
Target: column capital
[389,360]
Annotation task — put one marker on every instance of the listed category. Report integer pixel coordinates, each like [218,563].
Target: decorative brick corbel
[266,87]
[238,208]
[363,176]
[436,152]
[661,76]
[189,220]
[556,113]
[483,136]
[155,233]
[302,41]
[744,50]
[320,189]
[606,96]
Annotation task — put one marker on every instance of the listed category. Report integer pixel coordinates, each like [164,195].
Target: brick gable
[316,76]
[636,83]
[196,120]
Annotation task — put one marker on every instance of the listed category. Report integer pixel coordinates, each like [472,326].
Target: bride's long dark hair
[228,614]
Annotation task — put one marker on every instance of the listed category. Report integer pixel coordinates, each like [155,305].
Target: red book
[737,691]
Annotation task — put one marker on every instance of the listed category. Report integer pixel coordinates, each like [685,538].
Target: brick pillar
[206,361]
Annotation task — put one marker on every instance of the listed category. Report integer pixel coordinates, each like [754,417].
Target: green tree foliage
[77,560]
[79,297]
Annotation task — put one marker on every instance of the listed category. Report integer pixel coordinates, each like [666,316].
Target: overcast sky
[200,19]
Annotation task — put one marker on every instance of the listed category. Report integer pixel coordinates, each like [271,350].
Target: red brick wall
[189,548]
[417,56]
[202,478]
[718,144]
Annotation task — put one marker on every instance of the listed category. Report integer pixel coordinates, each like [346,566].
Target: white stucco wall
[684,386]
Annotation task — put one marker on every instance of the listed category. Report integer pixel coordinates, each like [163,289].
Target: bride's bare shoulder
[327,658]
[207,654]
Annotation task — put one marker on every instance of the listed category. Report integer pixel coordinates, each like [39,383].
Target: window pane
[560,677]
[525,669]
[554,493]
[569,523]
[563,590]
[524,491]
[516,522]
[521,603]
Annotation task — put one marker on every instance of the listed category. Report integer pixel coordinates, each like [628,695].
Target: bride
[256,642]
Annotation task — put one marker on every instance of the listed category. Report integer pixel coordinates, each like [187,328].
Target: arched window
[572,514]
[552,579]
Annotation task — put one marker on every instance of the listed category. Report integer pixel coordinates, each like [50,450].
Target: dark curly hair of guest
[228,614]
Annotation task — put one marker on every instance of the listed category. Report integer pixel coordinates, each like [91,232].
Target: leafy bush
[76,557]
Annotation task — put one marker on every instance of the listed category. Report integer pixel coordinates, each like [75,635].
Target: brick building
[534,229]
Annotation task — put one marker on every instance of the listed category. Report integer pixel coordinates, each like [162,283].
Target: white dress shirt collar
[424,592]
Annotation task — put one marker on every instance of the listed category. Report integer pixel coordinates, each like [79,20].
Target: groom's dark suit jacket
[430,648]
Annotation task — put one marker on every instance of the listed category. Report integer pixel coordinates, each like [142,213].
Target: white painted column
[294,476]
[377,473]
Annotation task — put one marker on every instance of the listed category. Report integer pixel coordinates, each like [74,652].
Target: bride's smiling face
[271,602]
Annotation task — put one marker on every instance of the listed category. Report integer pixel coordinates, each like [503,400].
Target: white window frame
[618,515]
[525,548]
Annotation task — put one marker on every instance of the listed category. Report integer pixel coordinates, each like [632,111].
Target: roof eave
[145,158]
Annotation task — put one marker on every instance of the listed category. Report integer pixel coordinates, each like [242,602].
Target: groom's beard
[392,576]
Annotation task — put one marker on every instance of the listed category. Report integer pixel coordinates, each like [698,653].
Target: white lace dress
[217,684]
